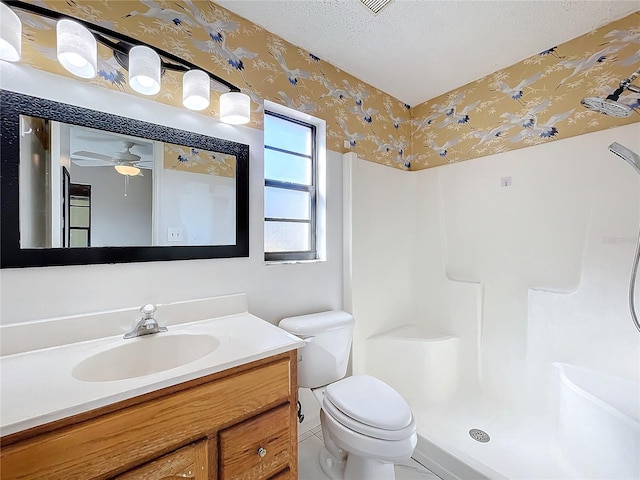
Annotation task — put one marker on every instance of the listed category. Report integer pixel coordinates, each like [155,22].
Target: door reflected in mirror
[82,187]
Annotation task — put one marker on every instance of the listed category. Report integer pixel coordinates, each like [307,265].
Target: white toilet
[366,425]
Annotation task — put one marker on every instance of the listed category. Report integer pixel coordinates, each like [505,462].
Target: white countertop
[37,387]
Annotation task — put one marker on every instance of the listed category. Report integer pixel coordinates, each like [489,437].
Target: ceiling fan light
[144,70]
[235,108]
[196,90]
[128,170]
[77,48]
[10,34]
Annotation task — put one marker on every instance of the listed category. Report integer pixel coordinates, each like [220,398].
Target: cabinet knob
[262,452]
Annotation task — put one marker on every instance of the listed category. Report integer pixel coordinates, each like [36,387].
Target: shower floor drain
[479,436]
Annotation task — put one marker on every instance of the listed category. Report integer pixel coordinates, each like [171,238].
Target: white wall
[381,250]
[117,220]
[382,253]
[274,291]
[524,275]
[202,205]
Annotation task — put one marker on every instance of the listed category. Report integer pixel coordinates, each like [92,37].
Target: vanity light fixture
[77,49]
[196,89]
[144,62]
[144,70]
[235,108]
[128,170]
[10,34]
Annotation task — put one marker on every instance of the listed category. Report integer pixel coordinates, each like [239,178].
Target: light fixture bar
[123,43]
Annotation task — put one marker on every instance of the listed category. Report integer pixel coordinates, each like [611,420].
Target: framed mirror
[82,187]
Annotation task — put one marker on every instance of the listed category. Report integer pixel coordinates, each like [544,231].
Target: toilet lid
[370,401]
[346,421]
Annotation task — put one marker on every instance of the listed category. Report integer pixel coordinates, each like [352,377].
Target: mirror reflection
[82,187]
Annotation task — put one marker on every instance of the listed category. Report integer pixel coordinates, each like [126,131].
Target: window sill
[292,262]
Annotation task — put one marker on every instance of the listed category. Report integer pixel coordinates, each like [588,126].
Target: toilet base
[354,467]
[332,467]
[358,468]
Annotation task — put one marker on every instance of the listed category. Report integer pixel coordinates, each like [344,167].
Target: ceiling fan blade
[86,162]
[99,156]
[145,164]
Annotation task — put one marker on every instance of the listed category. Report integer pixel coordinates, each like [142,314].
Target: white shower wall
[523,275]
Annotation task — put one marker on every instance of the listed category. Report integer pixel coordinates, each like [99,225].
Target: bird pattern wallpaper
[188,159]
[534,101]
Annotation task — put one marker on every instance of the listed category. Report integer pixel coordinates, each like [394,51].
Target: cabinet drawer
[285,475]
[240,446]
[190,462]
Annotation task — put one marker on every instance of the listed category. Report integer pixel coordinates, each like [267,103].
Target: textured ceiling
[416,50]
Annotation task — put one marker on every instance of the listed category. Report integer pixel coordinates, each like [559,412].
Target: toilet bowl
[371,422]
[366,424]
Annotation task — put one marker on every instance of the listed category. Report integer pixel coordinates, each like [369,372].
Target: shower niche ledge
[416,350]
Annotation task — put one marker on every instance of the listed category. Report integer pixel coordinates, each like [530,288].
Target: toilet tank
[324,358]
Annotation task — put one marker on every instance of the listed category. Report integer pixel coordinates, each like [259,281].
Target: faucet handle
[148,310]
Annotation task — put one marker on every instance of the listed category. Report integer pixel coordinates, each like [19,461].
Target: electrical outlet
[174,234]
[505,182]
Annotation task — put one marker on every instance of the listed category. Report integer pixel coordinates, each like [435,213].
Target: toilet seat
[369,447]
[369,406]
[364,429]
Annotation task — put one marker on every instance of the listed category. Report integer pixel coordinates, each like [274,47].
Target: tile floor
[310,443]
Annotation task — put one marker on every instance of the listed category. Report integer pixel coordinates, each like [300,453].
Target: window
[291,181]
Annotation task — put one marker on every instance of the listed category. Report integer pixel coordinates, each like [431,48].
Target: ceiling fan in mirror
[125,163]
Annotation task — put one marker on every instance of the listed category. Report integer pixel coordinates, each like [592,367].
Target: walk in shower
[499,309]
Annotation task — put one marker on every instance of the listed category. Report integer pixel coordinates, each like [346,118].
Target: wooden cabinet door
[257,448]
[190,462]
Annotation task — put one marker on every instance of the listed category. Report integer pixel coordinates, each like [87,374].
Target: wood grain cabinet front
[257,448]
[284,475]
[172,433]
[190,462]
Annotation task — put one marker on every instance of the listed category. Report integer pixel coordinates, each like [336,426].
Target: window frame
[314,252]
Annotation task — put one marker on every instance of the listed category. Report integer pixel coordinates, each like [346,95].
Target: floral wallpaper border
[534,101]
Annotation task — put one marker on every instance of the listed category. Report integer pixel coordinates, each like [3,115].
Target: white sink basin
[144,355]
[97,367]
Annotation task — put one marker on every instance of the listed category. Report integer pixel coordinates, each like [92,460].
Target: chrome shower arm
[626,84]
[632,77]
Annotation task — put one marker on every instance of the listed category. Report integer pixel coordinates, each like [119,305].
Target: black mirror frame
[13,104]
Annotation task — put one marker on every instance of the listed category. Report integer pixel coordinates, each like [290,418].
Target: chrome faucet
[147,324]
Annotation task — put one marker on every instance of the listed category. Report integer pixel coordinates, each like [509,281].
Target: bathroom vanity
[231,414]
